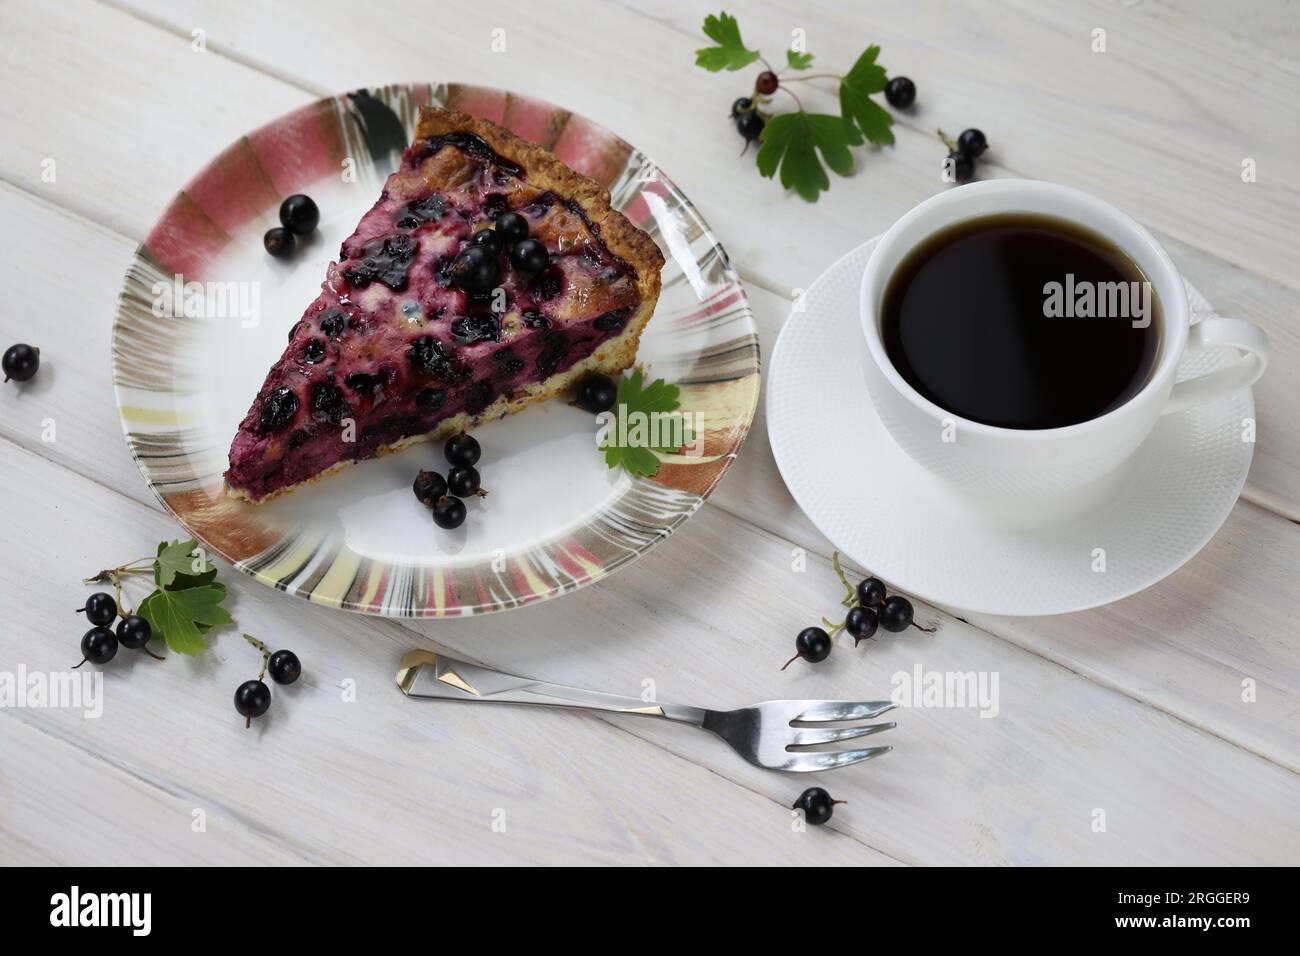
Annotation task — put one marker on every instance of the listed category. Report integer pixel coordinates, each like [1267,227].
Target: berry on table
[100,608]
[767,83]
[896,614]
[750,125]
[21,362]
[512,227]
[861,623]
[133,631]
[299,214]
[900,92]
[449,512]
[742,105]
[817,806]
[871,592]
[252,699]
[279,242]
[596,393]
[812,644]
[98,645]
[463,481]
[530,256]
[429,486]
[284,667]
[960,166]
[462,449]
[972,143]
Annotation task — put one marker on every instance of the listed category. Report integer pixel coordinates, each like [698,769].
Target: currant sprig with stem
[253,697]
[114,576]
[266,653]
[852,600]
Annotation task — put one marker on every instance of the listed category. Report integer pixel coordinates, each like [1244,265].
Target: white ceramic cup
[1048,461]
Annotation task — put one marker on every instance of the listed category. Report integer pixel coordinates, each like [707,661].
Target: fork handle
[426,675]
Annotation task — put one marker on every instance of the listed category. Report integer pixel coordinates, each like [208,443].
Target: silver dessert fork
[763,734]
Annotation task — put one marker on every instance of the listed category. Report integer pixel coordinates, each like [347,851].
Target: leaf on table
[182,616]
[798,61]
[792,142]
[859,111]
[180,565]
[730,53]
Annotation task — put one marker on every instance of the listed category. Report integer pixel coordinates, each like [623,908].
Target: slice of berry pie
[488,275]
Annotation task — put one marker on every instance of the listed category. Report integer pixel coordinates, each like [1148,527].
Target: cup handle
[1213,333]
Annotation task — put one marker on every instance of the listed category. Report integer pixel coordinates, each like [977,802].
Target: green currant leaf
[792,141]
[730,53]
[179,565]
[858,110]
[181,617]
[867,75]
[798,61]
[639,401]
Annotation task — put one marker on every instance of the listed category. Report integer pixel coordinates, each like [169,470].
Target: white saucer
[925,538]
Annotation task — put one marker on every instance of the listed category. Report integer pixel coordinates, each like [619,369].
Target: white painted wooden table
[1136,709]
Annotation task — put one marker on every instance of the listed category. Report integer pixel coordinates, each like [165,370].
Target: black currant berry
[100,608]
[900,92]
[512,227]
[278,409]
[462,449]
[488,239]
[333,323]
[429,486]
[750,125]
[530,256]
[817,806]
[98,645]
[767,83]
[475,269]
[449,512]
[284,667]
[463,481]
[21,362]
[861,623]
[896,615]
[871,592]
[278,242]
[596,393]
[812,644]
[741,105]
[252,699]
[972,143]
[299,214]
[133,631]
[961,166]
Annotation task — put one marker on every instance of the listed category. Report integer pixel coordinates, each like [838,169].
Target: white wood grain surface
[1135,709]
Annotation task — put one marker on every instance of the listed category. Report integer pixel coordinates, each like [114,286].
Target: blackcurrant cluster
[970,145]
[817,806]
[253,697]
[299,216]
[870,606]
[99,644]
[445,496]
[21,362]
[477,267]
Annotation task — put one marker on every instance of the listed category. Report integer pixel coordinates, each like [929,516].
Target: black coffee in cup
[1021,321]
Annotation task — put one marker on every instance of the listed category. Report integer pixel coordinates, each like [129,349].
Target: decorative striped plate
[204,312]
